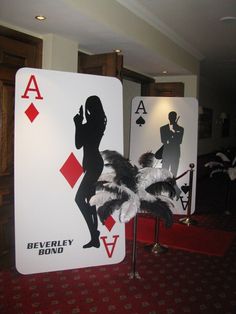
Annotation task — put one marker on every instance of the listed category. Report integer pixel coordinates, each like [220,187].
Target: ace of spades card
[167,127]
[62,123]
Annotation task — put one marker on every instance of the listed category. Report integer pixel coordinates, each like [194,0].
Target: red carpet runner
[189,238]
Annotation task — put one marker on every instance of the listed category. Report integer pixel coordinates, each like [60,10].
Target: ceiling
[192,24]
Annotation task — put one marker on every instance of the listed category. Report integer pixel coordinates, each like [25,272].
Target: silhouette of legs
[83,195]
[171,163]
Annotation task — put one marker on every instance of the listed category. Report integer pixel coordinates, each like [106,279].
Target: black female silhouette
[88,136]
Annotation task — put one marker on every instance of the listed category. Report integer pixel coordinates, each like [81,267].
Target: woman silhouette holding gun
[88,136]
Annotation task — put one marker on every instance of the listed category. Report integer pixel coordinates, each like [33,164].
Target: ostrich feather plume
[223,163]
[223,157]
[232,173]
[130,189]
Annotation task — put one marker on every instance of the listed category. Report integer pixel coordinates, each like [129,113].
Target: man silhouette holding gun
[171,137]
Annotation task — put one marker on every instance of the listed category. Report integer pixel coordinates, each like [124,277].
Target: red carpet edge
[189,238]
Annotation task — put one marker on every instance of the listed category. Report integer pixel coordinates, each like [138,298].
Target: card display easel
[134,274]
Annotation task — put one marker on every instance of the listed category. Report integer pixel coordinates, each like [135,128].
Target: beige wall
[59,53]
[130,90]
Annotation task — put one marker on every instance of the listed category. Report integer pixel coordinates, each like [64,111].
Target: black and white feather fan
[129,189]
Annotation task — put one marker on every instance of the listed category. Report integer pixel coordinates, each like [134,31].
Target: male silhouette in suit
[171,137]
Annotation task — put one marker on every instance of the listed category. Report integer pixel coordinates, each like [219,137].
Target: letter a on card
[112,244]
[32,86]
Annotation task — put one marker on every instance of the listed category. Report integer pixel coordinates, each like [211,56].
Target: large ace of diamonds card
[62,123]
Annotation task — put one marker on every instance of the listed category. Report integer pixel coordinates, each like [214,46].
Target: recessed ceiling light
[228,19]
[40,17]
[117,50]
[165,72]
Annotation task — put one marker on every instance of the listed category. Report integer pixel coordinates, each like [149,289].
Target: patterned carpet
[175,282]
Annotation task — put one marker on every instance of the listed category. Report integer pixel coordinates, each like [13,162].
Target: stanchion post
[188,220]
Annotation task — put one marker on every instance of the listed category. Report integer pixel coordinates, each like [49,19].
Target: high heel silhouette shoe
[95,242]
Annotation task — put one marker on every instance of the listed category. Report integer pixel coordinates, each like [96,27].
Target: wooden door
[106,64]
[164,89]
[16,50]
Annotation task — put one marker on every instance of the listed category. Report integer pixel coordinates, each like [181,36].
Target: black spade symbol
[140,121]
[185,188]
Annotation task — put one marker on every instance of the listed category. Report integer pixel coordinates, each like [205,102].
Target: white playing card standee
[167,127]
[62,121]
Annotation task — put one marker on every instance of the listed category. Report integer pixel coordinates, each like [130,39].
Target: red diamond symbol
[31,112]
[109,222]
[71,170]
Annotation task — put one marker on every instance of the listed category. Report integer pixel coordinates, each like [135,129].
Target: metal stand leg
[188,220]
[228,198]
[134,273]
[157,248]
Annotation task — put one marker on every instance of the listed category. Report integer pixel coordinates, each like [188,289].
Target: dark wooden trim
[168,89]
[125,73]
[37,42]
[80,55]
[136,77]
